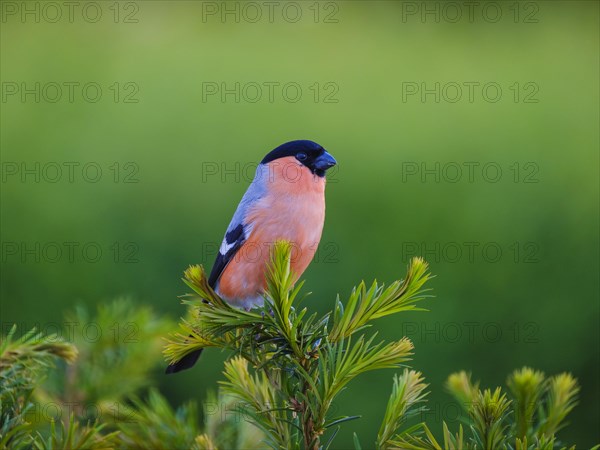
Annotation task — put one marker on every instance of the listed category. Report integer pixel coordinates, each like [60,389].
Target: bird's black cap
[309,153]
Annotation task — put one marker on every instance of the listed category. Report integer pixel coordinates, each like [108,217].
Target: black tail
[184,363]
[187,361]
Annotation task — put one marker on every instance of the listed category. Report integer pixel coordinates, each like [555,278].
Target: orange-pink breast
[293,209]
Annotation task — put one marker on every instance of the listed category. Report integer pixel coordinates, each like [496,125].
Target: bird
[284,201]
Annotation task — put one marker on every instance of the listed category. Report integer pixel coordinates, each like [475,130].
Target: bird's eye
[301,156]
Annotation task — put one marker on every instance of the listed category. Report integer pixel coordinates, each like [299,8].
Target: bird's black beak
[323,163]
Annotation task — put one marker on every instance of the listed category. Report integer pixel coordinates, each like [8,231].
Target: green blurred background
[542,292]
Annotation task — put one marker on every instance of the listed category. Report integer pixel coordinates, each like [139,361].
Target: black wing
[232,242]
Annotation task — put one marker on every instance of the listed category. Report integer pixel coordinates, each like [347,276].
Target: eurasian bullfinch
[285,201]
